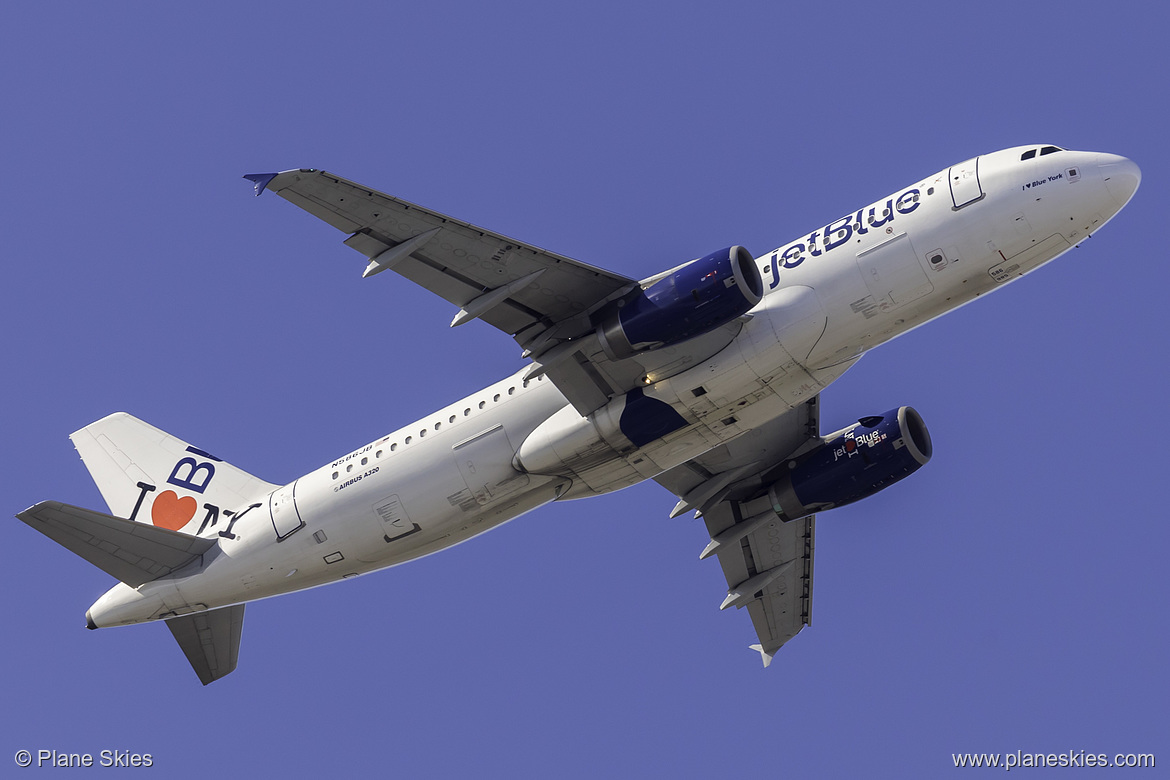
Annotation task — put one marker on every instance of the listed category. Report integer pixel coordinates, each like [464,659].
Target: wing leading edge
[767,562]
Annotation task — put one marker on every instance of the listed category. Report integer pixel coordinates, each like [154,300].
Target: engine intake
[690,301]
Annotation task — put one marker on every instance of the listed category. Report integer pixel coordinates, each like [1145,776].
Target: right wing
[768,563]
[545,301]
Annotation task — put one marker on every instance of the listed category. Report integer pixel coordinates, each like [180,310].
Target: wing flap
[134,553]
[580,383]
[785,606]
[210,640]
[781,607]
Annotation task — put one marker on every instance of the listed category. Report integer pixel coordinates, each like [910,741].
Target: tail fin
[149,476]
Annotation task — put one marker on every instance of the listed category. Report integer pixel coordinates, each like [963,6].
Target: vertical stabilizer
[149,476]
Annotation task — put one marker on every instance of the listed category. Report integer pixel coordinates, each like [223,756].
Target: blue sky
[1009,596]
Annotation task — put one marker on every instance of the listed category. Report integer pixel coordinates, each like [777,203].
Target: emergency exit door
[965,186]
[282,507]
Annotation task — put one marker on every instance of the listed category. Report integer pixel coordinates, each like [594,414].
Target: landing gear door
[282,507]
[965,186]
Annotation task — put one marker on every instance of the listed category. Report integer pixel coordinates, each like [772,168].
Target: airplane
[704,378]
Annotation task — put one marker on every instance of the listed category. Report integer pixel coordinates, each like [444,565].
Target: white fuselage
[830,296]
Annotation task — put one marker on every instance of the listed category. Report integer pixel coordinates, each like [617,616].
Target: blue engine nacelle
[690,301]
[854,463]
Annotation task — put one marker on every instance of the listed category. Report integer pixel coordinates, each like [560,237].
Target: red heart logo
[170,511]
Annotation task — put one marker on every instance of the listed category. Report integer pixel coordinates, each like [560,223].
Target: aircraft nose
[1121,176]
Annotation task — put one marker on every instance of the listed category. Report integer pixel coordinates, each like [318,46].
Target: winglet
[766,656]
[260,180]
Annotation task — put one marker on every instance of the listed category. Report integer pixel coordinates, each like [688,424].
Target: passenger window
[1028,155]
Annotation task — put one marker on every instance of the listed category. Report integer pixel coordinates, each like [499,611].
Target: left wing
[545,301]
[767,562]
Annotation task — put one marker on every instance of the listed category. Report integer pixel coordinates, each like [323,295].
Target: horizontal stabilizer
[133,552]
[210,640]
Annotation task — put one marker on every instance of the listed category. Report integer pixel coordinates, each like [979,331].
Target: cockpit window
[1050,150]
[1028,155]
